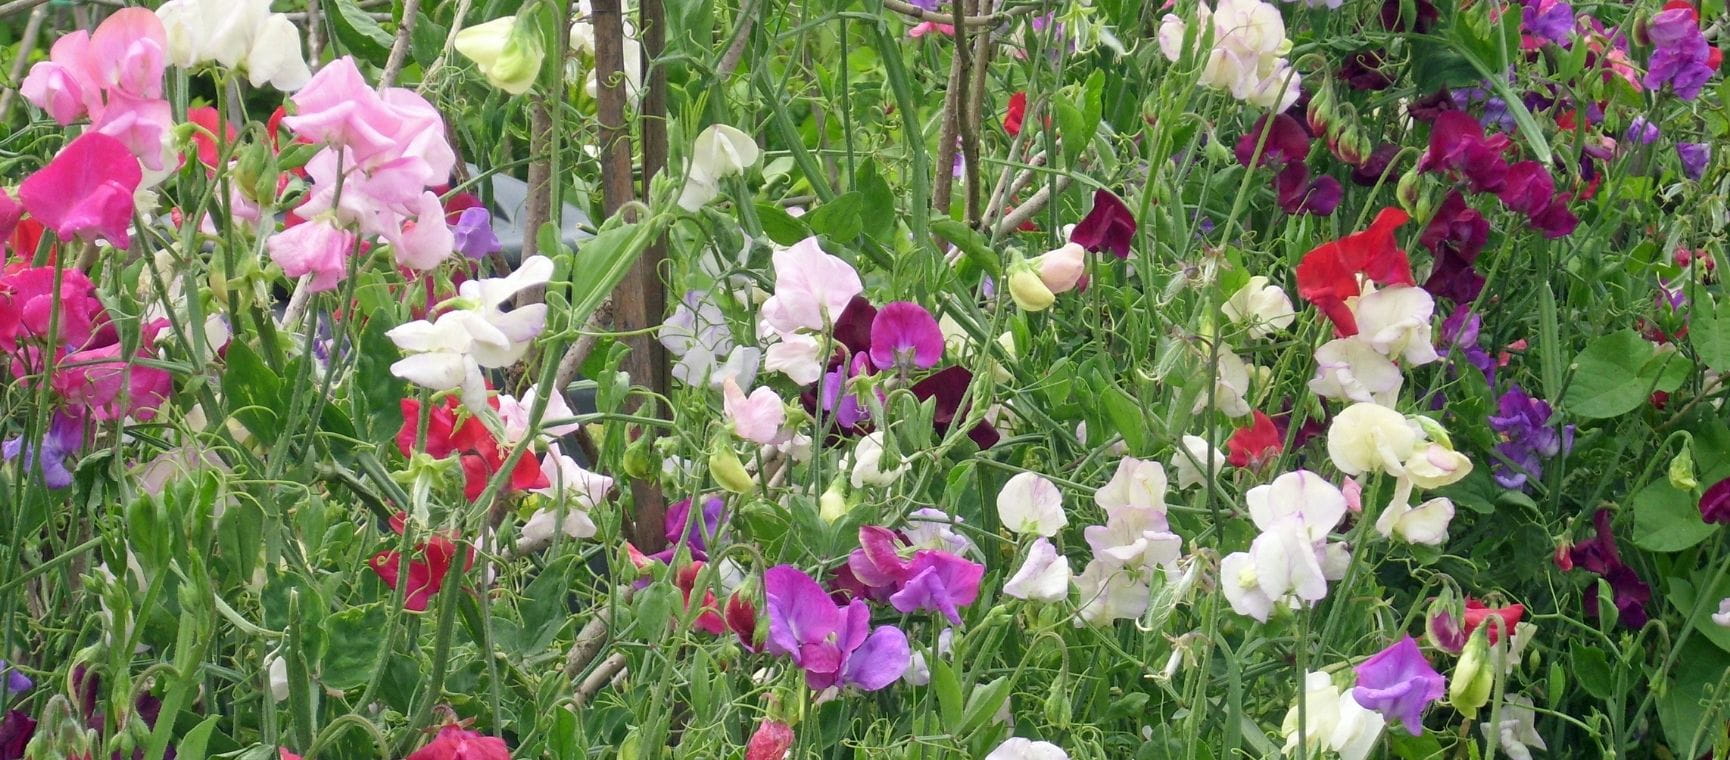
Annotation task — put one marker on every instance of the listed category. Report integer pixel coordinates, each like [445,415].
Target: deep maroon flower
[1556,220]
[1286,141]
[1458,145]
[1527,188]
[1694,158]
[1377,164]
[1109,226]
[1394,21]
[853,327]
[1715,502]
[1455,236]
[1363,71]
[16,731]
[1430,107]
[1600,555]
[1297,194]
[1399,683]
[949,387]
[904,334]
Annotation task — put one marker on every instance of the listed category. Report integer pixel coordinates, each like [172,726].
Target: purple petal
[880,661]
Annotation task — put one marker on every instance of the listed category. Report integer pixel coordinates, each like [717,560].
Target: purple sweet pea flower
[846,407]
[697,533]
[1642,131]
[1549,20]
[65,436]
[833,645]
[905,334]
[1680,53]
[1694,157]
[1715,502]
[940,581]
[1527,436]
[1109,226]
[1399,683]
[474,233]
[16,681]
[1460,338]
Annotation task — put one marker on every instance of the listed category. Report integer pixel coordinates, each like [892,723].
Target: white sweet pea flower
[1262,308]
[1301,497]
[1242,586]
[1230,387]
[1722,617]
[1517,731]
[1018,748]
[1109,592]
[1396,321]
[720,151]
[275,58]
[1042,577]
[449,352]
[233,32]
[277,670]
[867,463]
[1426,523]
[1367,437]
[812,288]
[1435,466]
[1210,459]
[1136,484]
[566,478]
[1029,503]
[1136,534]
[1350,369]
[514,413]
[930,528]
[1332,720]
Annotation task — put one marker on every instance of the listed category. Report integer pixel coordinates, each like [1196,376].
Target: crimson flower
[1458,145]
[1109,226]
[1455,236]
[428,564]
[1328,274]
[1015,113]
[1254,444]
[1477,614]
[480,453]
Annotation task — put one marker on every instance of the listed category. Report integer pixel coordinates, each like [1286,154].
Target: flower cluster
[1248,54]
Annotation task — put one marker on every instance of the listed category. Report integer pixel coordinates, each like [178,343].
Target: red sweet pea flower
[741,615]
[427,567]
[1477,614]
[1328,274]
[1016,112]
[709,619]
[206,119]
[470,439]
[1255,444]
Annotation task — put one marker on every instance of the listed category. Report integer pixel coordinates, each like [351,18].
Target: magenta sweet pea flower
[904,334]
[111,384]
[10,212]
[1527,188]
[1399,683]
[940,581]
[1109,226]
[1715,502]
[1458,145]
[86,191]
[834,645]
[1455,236]
[1286,142]
[65,436]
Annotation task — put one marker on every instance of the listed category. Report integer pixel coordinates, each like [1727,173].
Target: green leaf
[427,40]
[1683,597]
[1667,520]
[1126,418]
[780,226]
[1710,332]
[841,220]
[972,244]
[358,33]
[878,213]
[1607,380]
[255,395]
[948,688]
[982,704]
[191,746]
[1592,669]
[376,413]
[351,646]
[1682,706]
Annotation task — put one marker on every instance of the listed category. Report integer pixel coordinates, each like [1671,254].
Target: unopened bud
[1469,689]
[1681,471]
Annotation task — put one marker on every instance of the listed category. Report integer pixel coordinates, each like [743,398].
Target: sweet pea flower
[508,54]
[1351,369]
[1029,503]
[1202,461]
[457,743]
[1435,466]
[904,334]
[1136,534]
[1396,322]
[1230,385]
[1426,523]
[1108,226]
[233,32]
[426,242]
[1722,616]
[1289,562]
[449,352]
[1256,443]
[86,191]
[1109,592]
[1399,683]
[567,480]
[1715,502]
[1694,157]
[1328,276]
[1042,577]
[473,235]
[1517,731]
[1029,291]
[756,418]
[1262,308]
[940,582]
[770,741]
[868,463]
[1060,269]
[1247,58]
[1331,720]
[514,413]
[429,562]
[1017,748]
[1366,437]
[61,443]
[720,151]
[833,645]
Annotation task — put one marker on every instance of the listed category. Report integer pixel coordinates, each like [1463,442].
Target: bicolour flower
[833,645]
[1329,274]
[1042,577]
[1248,54]
[1028,503]
[1108,226]
[1017,748]
[1060,270]
[457,743]
[1136,535]
[1262,308]
[1331,720]
[1399,683]
[86,191]
[905,335]
[50,456]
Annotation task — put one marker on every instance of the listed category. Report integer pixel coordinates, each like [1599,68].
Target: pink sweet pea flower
[142,125]
[756,418]
[128,53]
[318,248]
[86,191]
[63,85]
[111,385]
[457,743]
[338,107]
[426,242]
[11,211]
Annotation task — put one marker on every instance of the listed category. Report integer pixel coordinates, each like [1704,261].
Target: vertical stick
[399,46]
[26,45]
[639,301]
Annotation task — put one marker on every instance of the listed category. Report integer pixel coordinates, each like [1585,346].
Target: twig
[314,30]
[399,47]
[1033,205]
[945,170]
[450,44]
[992,19]
[741,38]
[588,643]
[26,44]
[17,6]
[981,58]
[611,668]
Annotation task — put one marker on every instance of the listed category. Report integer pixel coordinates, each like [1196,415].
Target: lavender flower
[16,681]
[1694,158]
[1679,55]
[1527,437]
[65,436]
[474,233]
[1642,131]
[1549,20]
[1460,339]
[1399,683]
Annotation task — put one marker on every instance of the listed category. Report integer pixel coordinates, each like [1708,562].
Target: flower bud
[1469,688]
[1681,470]
[1029,291]
[507,52]
[1062,268]
[1409,192]
[832,505]
[640,459]
[729,472]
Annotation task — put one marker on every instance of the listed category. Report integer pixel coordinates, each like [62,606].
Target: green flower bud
[1681,471]
[1469,688]
[729,472]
